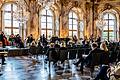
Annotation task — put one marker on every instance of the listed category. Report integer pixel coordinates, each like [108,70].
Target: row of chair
[74,52]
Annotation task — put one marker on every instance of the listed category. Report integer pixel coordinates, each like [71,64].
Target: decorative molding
[108,6]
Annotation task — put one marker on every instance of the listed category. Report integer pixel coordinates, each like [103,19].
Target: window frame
[72,18]
[46,29]
[12,20]
[108,31]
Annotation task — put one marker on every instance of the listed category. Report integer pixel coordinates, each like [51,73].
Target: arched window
[73,24]
[110,27]
[47,23]
[10,24]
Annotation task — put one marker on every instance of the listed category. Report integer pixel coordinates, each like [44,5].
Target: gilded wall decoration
[66,6]
[87,14]
[62,11]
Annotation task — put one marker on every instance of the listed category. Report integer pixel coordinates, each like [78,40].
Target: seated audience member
[43,40]
[12,39]
[75,39]
[25,43]
[62,48]
[2,56]
[57,44]
[6,41]
[105,55]
[98,40]
[52,54]
[33,48]
[92,59]
[91,39]
[86,45]
[19,42]
[103,46]
[102,75]
[2,38]
[39,48]
[113,52]
[30,39]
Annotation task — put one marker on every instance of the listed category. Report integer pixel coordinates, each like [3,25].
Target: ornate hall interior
[56,39]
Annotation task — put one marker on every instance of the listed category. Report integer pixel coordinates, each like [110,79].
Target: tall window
[47,23]
[11,25]
[73,24]
[110,26]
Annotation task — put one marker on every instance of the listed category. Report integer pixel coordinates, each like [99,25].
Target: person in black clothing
[2,43]
[39,48]
[2,39]
[18,41]
[105,63]
[30,39]
[52,54]
[102,75]
[43,40]
[75,39]
[62,50]
[89,59]
[98,41]
[86,50]
[91,39]
[97,57]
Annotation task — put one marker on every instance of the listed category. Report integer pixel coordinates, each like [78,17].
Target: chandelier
[46,3]
[22,15]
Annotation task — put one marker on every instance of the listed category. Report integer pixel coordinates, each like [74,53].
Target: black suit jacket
[95,57]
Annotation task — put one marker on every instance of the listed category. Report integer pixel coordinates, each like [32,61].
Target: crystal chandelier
[22,15]
[46,3]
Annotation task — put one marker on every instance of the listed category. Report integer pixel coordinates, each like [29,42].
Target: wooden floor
[26,68]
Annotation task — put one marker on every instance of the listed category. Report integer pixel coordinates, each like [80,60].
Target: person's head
[33,43]
[103,46]
[94,45]
[62,45]
[2,32]
[52,45]
[31,35]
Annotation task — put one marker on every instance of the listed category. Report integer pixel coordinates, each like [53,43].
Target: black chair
[52,57]
[39,50]
[80,53]
[63,54]
[86,51]
[45,49]
[113,56]
[72,53]
[99,59]
[33,50]
[93,60]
